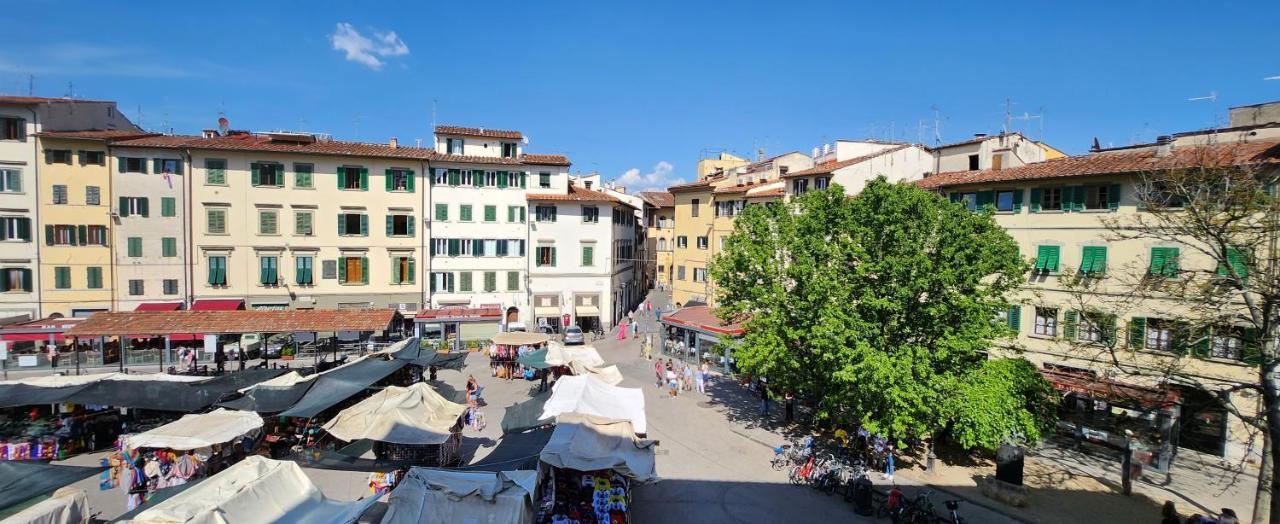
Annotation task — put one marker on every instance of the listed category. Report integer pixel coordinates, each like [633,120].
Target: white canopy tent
[562,355]
[609,374]
[587,395]
[401,415]
[198,431]
[256,489]
[445,497]
[68,505]
[586,443]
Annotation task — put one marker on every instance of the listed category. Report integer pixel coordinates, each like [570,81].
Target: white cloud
[363,50]
[659,178]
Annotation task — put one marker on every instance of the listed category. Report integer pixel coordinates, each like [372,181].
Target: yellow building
[660,234]
[76,272]
[1056,211]
[722,162]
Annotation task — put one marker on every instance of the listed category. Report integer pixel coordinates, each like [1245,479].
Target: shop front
[696,334]
[546,312]
[1118,415]
[586,308]
[457,328]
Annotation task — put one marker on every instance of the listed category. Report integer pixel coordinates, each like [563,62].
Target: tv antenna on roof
[1028,117]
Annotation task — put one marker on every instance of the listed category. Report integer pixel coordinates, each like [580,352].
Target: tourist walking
[763,386]
[687,384]
[658,369]
[701,378]
[888,463]
[622,330]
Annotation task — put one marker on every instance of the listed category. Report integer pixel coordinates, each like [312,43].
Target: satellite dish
[223,124]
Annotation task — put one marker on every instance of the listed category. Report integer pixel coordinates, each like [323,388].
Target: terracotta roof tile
[576,194]
[31,100]
[769,193]
[96,134]
[1118,162]
[694,186]
[829,167]
[659,198]
[703,318]
[478,131]
[471,159]
[545,160]
[215,322]
[741,188]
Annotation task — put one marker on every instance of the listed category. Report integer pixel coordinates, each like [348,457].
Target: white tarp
[589,443]
[412,415]
[587,395]
[291,378]
[447,497]
[68,505]
[561,355]
[609,375]
[256,489]
[518,338]
[198,431]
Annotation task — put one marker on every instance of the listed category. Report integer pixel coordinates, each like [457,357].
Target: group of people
[502,360]
[677,376]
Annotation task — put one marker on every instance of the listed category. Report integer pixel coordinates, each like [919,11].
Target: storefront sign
[27,361]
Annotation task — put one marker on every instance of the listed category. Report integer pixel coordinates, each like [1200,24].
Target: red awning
[461,313]
[218,304]
[159,306]
[30,337]
[180,337]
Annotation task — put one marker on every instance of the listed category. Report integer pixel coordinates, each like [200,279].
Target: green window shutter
[521,214]
[1035,199]
[390,224]
[502,179]
[1014,318]
[465,284]
[986,198]
[213,273]
[1086,260]
[413,270]
[588,255]
[511,213]
[513,280]
[364,225]
[24,229]
[1171,262]
[342,270]
[121,162]
[389,178]
[410,181]
[1017,201]
[523,178]
[1236,259]
[464,213]
[490,281]
[124,207]
[364,179]
[82,235]
[1137,332]
[1113,197]
[412,225]
[364,270]
[455,177]
[1069,324]
[395,270]
[262,271]
[442,212]
[477,247]
[135,247]
[168,206]
[455,246]
[156,166]
[1157,261]
[448,281]
[143,207]
[1201,341]
[1099,260]
[1042,258]
[342,224]
[342,178]
[169,247]
[477,178]
[1108,325]
[955,196]
[490,213]
[553,257]
[255,177]
[280,173]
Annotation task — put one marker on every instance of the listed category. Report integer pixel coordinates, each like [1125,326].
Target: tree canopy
[881,307]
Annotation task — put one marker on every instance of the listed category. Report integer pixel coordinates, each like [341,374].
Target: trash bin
[1009,464]
[862,497]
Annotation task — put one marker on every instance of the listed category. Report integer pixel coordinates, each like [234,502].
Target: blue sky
[641,90]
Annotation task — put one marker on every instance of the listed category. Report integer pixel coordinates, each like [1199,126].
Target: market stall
[510,350]
[440,496]
[67,505]
[588,396]
[404,422]
[255,490]
[592,463]
[198,431]
[24,483]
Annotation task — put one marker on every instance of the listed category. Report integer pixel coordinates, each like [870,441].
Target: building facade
[660,227]
[852,164]
[149,213]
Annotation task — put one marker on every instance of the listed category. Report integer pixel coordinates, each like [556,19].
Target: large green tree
[880,306]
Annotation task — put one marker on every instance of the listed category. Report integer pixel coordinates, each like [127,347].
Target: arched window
[662,244]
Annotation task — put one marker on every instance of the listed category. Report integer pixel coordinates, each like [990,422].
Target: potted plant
[287,353]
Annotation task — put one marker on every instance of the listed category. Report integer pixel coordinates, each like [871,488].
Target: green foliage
[878,305]
[1001,398]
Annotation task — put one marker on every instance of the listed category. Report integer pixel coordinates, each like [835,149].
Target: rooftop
[232,322]
[659,198]
[33,100]
[96,134]
[695,186]
[575,194]
[702,318]
[478,131]
[830,167]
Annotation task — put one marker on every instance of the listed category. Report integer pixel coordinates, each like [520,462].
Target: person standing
[763,386]
[622,330]
[788,407]
[658,370]
[241,357]
[888,463]
[700,379]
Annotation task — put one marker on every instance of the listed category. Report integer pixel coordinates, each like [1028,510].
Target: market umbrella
[535,359]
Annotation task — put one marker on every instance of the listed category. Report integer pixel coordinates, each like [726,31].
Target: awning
[159,306]
[588,396]
[24,480]
[234,322]
[587,311]
[156,391]
[30,337]
[428,495]
[218,304]
[342,382]
[523,416]
[198,431]
[547,311]
[408,415]
[520,338]
[587,443]
[68,504]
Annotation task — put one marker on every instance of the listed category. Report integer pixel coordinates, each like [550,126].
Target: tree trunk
[1271,405]
[1262,498]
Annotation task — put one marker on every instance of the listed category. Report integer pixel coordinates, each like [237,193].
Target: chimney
[1096,146]
[393,143]
[979,135]
[1164,145]
[815,152]
[209,133]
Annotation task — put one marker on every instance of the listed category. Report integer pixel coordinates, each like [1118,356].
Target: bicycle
[953,507]
[800,474]
[919,510]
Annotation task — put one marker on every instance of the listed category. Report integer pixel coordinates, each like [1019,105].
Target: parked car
[573,336]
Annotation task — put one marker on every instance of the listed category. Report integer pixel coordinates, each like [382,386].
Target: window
[171,286]
[464,282]
[353,270]
[15,229]
[490,281]
[330,269]
[1046,322]
[590,214]
[1158,333]
[1164,262]
[587,184]
[303,270]
[10,181]
[1047,259]
[544,180]
[302,223]
[302,176]
[215,221]
[353,224]
[92,196]
[973,163]
[168,207]
[1090,328]
[132,165]
[442,282]
[662,268]
[1228,342]
[1093,260]
[353,178]
[442,212]
[694,208]
[62,277]
[135,247]
[268,222]
[466,178]
[679,272]
[513,281]
[217,271]
[682,242]
[15,279]
[57,156]
[439,246]
[1237,261]
[490,179]
[545,213]
[490,213]
[169,247]
[699,274]
[515,214]
[135,287]
[491,248]
[399,180]
[59,194]
[442,177]
[464,212]
[453,146]
[96,235]
[502,248]
[400,225]
[997,161]
[13,129]
[93,277]
[662,244]
[799,186]
[215,171]
[1008,200]
[1098,197]
[588,256]
[168,165]
[131,206]
[702,242]
[60,235]
[402,270]
[545,256]
[267,174]
[508,150]
[821,182]
[722,243]
[268,271]
[1046,199]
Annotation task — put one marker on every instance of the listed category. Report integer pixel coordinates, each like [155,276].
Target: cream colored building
[660,227]
[993,152]
[1056,210]
[149,214]
[723,161]
[853,163]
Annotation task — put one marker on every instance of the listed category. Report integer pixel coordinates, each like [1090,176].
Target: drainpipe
[111,239]
[187,271]
[35,213]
